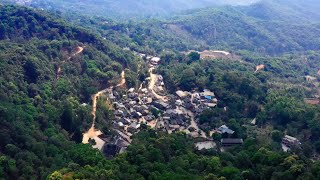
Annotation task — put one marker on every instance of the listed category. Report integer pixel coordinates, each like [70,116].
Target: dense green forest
[227,28]
[160,156]
[49,69]
[126,9]
[40,110]
[268,27]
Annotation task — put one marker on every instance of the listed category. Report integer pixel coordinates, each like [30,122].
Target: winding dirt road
[93,133]
[79,50]
[153,79]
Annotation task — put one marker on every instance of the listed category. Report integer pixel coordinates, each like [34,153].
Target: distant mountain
[228,28]
[285,10]
[267,26]
[127,9]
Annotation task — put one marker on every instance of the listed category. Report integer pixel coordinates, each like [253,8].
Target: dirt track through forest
[93,133]
[79,50]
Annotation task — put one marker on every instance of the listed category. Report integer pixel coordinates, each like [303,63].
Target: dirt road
[93,133]
[79,50]
[259,67]
[194,125]
[123,79]
[153,80]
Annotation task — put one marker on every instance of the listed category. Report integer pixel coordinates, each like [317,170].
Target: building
[155,60]
[160,105]
[207,93]
[290,141]
[205,145]
[178,102]
[149,118]
[125,121]
[231,142]
[136,114]
[182,94]
[208,97]
[131,90]
[224,129]
[119,113]
[133,128]
[211,105]
[113,148]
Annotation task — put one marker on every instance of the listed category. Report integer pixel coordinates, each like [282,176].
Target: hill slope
[285,10]
[267,27]
[126,9]
[225,28]
[230,28]
[47,70]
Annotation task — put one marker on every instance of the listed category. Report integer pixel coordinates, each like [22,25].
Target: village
[150,105]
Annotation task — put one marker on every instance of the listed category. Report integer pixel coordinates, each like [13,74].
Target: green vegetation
[41,116]
[268,28]
[47,80]
[273,96]
[124,9]
[159,156]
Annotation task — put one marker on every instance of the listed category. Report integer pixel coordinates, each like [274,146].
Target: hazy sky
[240,1]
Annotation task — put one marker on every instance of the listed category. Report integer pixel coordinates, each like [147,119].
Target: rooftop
[208,93]
[225,129]
[290,138]
[155,59]
[231,141]
[182,94]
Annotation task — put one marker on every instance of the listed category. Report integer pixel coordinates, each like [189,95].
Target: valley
[125,90]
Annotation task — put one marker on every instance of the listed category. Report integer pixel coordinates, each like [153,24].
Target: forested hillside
[268,27]
[48,69]
[126,9]
[227,28]
[230,29]
[285,10]
[160,156]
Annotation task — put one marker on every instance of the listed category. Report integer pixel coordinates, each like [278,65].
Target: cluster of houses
[175,112]
[152,60]
[132,110]
[141,107]
[197,102]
